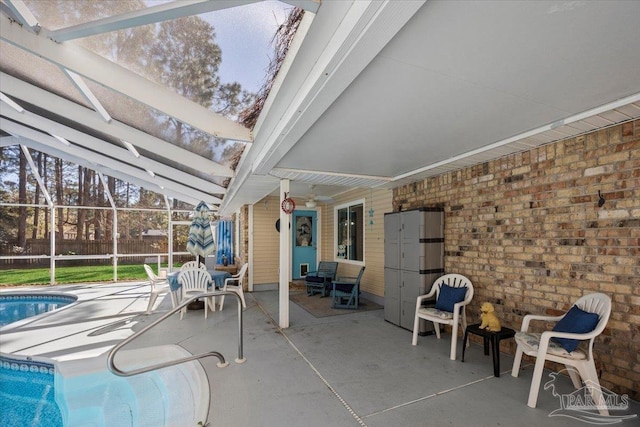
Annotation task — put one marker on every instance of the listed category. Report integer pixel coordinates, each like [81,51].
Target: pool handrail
[221,364]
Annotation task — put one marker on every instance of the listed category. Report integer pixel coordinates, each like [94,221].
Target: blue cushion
[450,296]
[576,321]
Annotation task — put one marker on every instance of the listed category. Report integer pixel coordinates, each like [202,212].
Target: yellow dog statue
[489,319]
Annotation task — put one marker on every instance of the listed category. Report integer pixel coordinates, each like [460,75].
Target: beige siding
[265,241]
[380,200]
[266,238]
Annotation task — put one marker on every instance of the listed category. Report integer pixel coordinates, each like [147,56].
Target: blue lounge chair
[346,289]
[319,281]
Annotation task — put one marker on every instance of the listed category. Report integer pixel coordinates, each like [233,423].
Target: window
[349,231]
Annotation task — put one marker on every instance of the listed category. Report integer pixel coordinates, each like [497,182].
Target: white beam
[86,92]
[47,144]
[36,174]
[150,15]
[54,103]
[308,5]
[107,73]
[7,141]
[23,13]
[100,148]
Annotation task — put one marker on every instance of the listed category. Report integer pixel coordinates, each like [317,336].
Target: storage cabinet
[414,259]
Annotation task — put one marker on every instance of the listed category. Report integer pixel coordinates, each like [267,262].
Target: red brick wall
[528,232]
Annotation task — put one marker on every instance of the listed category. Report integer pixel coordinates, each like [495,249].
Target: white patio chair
[193,282]
[543,348]
[154,282]
[192,264]
[239,278]
[449,310]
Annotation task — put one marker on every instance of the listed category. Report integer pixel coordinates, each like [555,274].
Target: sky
[245,34]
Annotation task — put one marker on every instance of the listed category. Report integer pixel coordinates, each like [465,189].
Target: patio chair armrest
[231,279]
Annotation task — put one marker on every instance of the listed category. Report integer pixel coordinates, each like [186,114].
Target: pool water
[14,307]
[26,394]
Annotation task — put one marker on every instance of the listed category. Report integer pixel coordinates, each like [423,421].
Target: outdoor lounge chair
[192,264]
[346,289]
[319,281]
[154,281]
[586,319]
[239,280]
[195,281]
[451,300]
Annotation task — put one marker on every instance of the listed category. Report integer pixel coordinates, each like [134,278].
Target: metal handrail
[221,364]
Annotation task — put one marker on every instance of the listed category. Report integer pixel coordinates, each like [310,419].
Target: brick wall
[528,232]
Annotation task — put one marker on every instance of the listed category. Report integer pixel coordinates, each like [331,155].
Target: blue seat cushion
[317,279]
[449,296]
[344,287]
[576,321]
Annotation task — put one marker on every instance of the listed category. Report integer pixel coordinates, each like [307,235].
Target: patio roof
[371,94]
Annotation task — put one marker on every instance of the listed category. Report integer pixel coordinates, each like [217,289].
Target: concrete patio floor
[346,370]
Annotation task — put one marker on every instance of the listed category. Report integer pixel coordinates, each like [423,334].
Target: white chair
[154,282]
[193,282]
[438,316]
[192,264]
[239,278]
[581,360]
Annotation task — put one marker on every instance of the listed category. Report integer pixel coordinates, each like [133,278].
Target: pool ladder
[221,364]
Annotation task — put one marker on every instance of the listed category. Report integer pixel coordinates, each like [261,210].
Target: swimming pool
[26,394]
[18,306]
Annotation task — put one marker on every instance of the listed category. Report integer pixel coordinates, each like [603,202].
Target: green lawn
[98,273]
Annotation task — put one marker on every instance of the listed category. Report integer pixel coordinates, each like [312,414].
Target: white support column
[114,225]
[52,245]
[250,248]
[43,188]
[285,260]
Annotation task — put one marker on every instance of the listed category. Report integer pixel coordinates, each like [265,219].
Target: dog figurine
[489,319]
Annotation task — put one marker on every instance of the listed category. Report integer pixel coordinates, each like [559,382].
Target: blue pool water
[14,307]
[26,394]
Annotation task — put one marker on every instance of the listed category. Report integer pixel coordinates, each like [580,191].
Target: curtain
[224,241]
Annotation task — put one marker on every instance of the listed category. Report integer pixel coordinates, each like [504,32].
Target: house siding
[380,200]
[528,231]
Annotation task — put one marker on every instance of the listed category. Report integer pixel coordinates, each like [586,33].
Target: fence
[36,247]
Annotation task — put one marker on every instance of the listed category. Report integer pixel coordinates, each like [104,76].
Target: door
[305,246]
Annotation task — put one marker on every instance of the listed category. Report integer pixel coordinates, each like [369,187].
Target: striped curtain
[224,241]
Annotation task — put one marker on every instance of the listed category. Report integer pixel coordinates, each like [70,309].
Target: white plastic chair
[431,314]
[154,282]
[192,264]
[193,282]
[239,278]
[542,348]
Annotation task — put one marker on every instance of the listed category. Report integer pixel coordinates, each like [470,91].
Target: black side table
[489,337]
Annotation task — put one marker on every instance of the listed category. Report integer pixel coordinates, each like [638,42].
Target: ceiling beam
[23,13]
[81,161]
[150,15]
[94,67]
[95,160]
[99,147]
[56,104]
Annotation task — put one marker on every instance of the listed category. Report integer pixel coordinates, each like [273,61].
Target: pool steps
[89,395]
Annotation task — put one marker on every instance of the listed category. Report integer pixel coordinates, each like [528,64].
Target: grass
[97,273]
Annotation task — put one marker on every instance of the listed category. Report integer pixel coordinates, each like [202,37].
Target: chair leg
[574,375]
[515,370]
[416,325]
[152,299]
[535,382]
[436,326]
[454,341]
[589,374]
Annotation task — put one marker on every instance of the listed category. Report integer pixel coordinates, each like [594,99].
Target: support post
[285,260]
